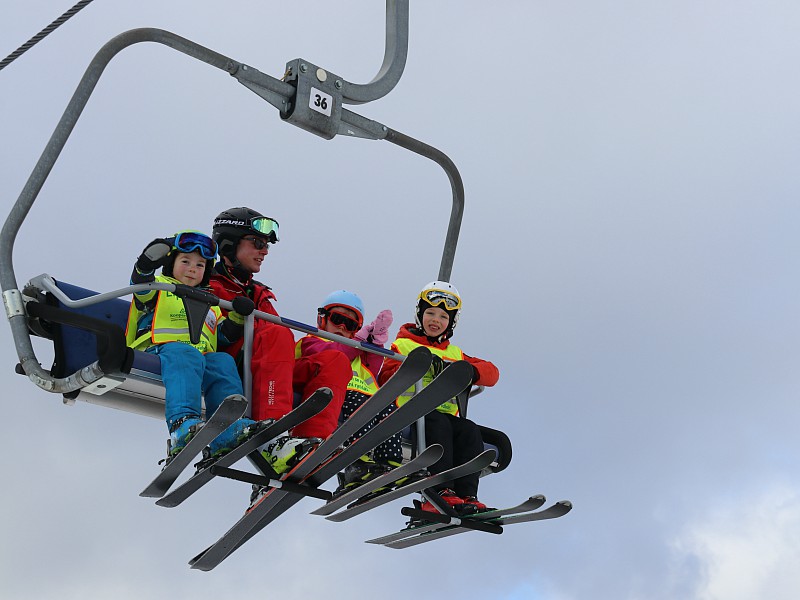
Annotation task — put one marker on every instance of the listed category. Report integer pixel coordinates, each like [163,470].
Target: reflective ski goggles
[266,227]
[342,320]
[191,241]
[437,297]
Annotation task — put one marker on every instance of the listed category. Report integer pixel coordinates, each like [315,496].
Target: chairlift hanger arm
[277,92]
[394,58]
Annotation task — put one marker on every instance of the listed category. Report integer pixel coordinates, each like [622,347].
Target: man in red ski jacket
[243,236]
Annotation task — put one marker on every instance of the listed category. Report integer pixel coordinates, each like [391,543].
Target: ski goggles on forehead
[191,241]
[266,227]
[437,297]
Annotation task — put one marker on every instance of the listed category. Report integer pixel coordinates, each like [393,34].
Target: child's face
[189,268]
[330,327]
[435,321]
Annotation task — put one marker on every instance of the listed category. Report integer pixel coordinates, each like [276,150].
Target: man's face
[251,251]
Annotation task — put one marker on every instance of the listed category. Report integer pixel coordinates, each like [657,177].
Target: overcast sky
[628,258]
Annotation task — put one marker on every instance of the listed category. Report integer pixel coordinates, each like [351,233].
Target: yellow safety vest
[451,353]
[169,323]
[363,379]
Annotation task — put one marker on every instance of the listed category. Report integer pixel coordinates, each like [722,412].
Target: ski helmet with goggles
[188,242]
[343,299]
[233,224]
[443,295]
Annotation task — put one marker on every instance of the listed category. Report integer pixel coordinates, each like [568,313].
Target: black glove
[438,365]
[243,305]
[153,256]
[475,374]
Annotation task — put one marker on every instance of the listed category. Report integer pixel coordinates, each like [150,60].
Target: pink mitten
[380,327]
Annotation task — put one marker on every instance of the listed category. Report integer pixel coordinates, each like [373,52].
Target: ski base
[483,460]
[231,409]
[312,406]
[559,509]
[448,384]
[424,460]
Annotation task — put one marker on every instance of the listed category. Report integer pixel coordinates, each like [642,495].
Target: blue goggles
[194,241]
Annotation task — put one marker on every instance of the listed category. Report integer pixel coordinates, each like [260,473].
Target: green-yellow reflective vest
[451,353]
[169,323]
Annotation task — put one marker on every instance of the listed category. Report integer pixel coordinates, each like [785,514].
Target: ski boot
[182,430]
[471,505]
[448,495]
[285,452]
[234,435]
[450,498]
[359,473]
[410,478]
[258,492]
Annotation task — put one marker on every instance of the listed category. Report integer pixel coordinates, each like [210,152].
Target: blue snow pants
[187,374]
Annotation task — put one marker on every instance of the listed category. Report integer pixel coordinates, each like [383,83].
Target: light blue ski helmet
[344,299]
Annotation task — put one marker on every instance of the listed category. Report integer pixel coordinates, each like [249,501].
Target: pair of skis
[329,458]
[312,406]
[429,456]
[441,525]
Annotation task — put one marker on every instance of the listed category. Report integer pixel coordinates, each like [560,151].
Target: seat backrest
[76,348]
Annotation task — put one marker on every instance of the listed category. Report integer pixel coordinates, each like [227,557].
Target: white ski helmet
[443,295]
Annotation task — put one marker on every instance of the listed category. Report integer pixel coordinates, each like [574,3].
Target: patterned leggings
[391,449]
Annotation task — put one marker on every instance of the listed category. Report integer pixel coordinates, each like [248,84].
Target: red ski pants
[272,367]
[329,368]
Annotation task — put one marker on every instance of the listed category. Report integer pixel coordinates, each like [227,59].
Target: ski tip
[235,399]
[325,391]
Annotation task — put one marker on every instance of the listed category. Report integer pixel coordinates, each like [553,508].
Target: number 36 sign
[320,102]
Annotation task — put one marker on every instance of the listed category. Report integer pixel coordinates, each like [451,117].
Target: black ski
[559,509]
[313,405]
[478,463]
[530,504]
[315,470]
[424,460]
[231,409]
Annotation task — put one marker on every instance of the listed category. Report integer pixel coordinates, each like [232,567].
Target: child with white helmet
[157,324]
[437,310]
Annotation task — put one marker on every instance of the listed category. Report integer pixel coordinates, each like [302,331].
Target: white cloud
[747,549]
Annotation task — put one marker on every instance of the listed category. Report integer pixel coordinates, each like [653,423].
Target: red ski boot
[470,505]
[449,496]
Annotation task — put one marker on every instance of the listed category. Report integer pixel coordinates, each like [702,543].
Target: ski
[530,504]
[424,460]
[559,509]
[304,411]
[231,409]
[316,469]
[483,460]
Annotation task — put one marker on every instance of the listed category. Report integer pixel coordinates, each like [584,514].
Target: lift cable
[44,33]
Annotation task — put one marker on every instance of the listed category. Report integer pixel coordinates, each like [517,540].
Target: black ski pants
[462,441]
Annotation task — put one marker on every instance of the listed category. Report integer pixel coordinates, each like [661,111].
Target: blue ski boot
[182,430]
[234,435]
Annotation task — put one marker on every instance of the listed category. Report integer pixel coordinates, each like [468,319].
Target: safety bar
[95,371]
